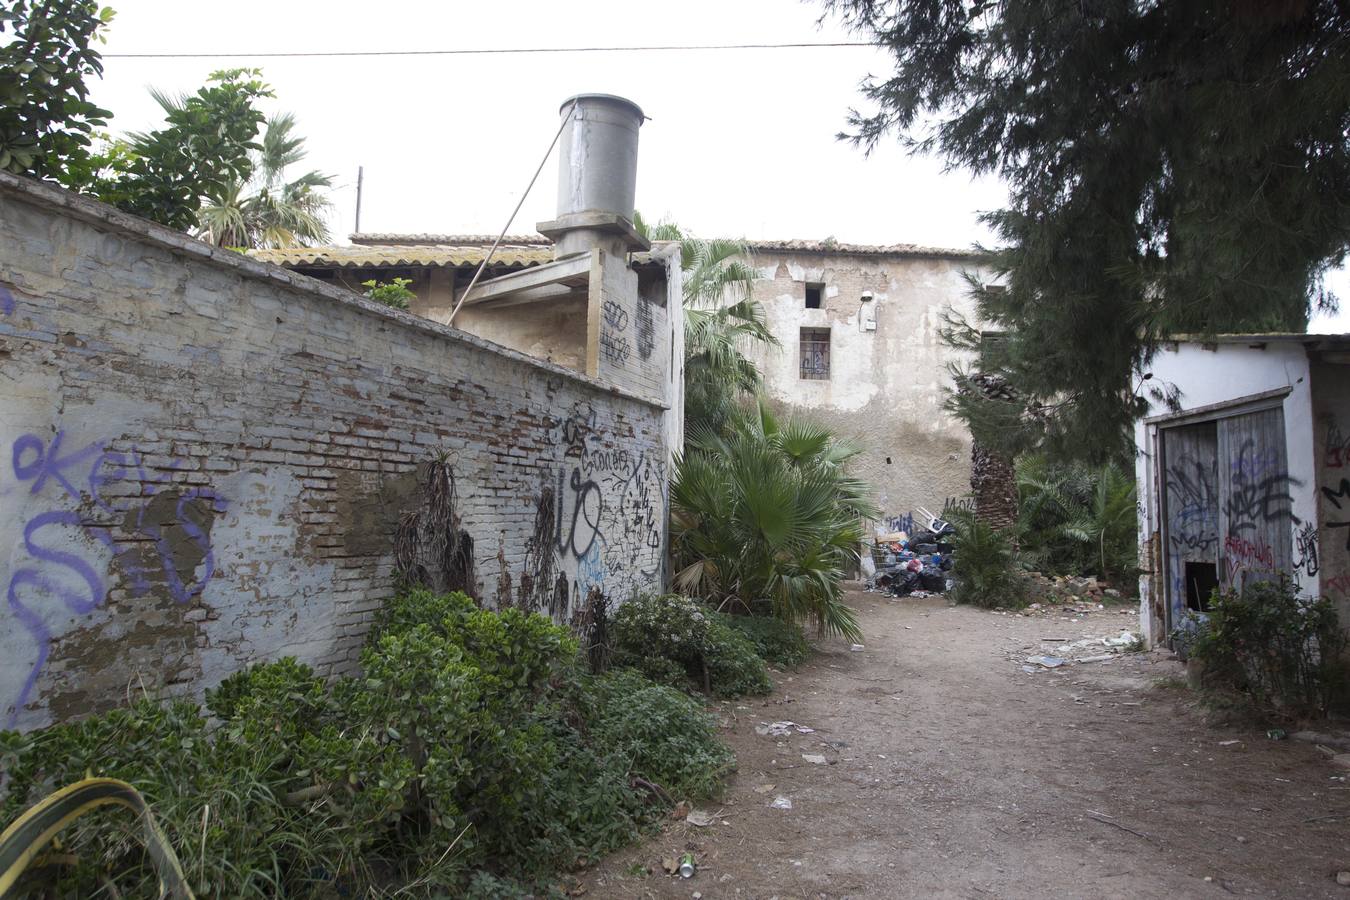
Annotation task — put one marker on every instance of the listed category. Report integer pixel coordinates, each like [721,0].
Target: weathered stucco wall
[1329,545]
[885,389]
[205,459]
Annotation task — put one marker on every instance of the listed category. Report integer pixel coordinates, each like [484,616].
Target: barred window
[815,353]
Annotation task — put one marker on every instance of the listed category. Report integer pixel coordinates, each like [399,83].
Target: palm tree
[266,210]
[764,518]
[721,319]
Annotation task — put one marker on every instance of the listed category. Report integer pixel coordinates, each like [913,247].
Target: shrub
[985,566]
[666,734]
[1284,652]
[777,642]
[473,750]
[710,654]
[764,513]
[734,668]
[1075,519]
[394,294]
[219,802]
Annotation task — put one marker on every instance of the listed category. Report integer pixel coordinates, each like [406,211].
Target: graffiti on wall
[1193,505]
[1338,513]
[601,516]
[75,498]
[1257,499]
[1337,453]
[1305,549]
[613,327]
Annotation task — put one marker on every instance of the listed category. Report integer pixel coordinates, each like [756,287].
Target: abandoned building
[210,461]
[1248,478]
[857,328]
[860,353]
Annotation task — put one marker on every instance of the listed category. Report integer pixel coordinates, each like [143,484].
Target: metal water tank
[597,159]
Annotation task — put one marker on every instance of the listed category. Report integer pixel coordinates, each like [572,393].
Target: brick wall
[205,459]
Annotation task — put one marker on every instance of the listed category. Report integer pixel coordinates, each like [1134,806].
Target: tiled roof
[792,246]
[409,255]
[454,240]
[835,247]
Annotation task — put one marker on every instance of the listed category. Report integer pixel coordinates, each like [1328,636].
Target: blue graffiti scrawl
[156,534]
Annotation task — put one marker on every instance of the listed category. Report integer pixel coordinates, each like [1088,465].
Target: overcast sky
[739,142]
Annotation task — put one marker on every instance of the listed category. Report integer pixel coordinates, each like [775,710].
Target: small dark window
[815,296]
[1202,580]
[815,353]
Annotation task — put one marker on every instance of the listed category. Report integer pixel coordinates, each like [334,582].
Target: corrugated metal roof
[395,256]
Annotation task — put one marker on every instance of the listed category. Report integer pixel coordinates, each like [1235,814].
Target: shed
[1245,475]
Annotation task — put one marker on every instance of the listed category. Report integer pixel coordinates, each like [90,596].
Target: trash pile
[913,564]
[1057,652]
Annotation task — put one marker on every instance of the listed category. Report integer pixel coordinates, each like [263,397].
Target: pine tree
[1173,167]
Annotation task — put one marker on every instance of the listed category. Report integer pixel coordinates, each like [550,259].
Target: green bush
[778,643]
[1075,519]
[667,736]
[473,749]
[734,668]
[395,294]
[1286,653]
[985,566]
[680,631]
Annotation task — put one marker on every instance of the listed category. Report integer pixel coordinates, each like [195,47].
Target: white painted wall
[1214,374]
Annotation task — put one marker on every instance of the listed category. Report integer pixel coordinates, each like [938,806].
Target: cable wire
[487,51]
[507,227]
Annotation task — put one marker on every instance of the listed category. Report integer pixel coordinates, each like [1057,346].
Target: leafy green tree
[395,294]
[204,147]
[764,517]
[1172,167]
[721,320]
[46,118]
[265,209]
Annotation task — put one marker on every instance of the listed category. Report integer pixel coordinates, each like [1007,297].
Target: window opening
[815,353]
[815,295]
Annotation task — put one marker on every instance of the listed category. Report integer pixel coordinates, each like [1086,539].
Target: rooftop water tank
[597,175]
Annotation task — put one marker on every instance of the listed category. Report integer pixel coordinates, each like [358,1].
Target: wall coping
[110,218]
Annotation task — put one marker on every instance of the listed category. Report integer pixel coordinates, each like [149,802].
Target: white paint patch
[271,601]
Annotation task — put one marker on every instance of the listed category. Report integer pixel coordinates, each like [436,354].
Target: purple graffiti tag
[6,301]
[73,600]
[47,462]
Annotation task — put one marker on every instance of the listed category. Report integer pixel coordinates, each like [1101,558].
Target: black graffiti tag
[1258,500]
[1305,544]
[1335,498]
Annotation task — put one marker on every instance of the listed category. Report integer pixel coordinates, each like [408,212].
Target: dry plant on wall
[431,550]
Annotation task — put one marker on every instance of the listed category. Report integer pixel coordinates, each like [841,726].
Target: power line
[464,51]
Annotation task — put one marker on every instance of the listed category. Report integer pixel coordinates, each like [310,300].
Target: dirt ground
[951,772]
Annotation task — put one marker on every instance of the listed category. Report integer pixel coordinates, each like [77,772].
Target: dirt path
[953,773]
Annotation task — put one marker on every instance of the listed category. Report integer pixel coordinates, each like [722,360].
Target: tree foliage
[1172,167]
[266,209]
[46,118]
[204,147]
[1075,519]
[722,320]
[765,517]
